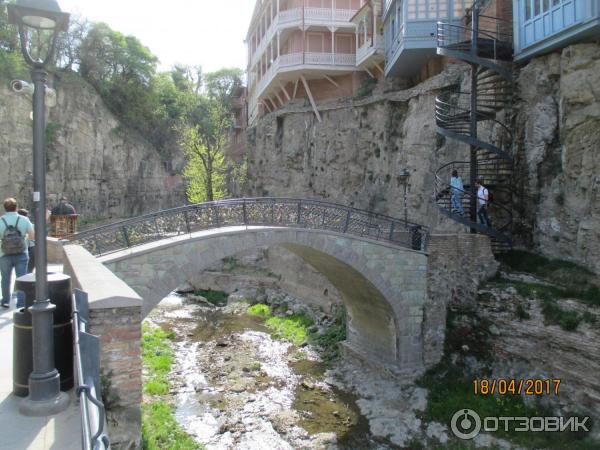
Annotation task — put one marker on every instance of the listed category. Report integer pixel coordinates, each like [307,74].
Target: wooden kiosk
[63,226]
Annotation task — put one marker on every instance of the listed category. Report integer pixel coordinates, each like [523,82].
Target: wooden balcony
[305,61]
[296,17]
[317,16]
[368,50]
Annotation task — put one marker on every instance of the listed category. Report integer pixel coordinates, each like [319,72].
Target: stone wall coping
[235,230]
[105,290]
[55,253]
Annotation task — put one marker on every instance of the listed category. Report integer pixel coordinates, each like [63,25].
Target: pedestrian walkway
[17,432]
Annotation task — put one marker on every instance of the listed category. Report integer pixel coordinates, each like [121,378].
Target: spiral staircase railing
[266,211]
[478,116]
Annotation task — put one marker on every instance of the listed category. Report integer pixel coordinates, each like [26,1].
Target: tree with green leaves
[209,174]
[222,84]
[203,144]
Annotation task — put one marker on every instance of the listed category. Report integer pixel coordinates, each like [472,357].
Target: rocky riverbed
[237,387]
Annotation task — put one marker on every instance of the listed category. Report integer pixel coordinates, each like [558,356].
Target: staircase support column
[473,124]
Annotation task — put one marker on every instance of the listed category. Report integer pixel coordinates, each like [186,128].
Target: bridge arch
[383,285]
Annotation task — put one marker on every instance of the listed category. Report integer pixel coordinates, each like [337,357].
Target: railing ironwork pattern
[87,360]
[277,212]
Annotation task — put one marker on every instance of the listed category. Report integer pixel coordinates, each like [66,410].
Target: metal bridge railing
[87,361]
[278,212]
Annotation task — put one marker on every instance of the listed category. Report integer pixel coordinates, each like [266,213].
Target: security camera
[25,88]
[22,87]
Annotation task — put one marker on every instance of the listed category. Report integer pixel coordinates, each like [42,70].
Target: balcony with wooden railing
[302,16]
[305,60]
[369,49]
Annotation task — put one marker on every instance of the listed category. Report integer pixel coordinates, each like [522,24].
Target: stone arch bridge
[377,263]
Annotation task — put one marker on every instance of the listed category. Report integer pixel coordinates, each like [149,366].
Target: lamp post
[404,176]
[41,20]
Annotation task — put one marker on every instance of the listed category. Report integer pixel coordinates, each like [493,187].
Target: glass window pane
[546,5]
[536,7]
[528,9]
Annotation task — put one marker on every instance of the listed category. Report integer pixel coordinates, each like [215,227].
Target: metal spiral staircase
[478,116]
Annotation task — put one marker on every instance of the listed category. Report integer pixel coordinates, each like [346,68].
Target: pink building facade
[307,49]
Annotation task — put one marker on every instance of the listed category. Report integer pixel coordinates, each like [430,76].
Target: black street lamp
[404,176]
[39,23]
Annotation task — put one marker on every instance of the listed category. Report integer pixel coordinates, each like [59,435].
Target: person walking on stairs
[482,203]
[457,190]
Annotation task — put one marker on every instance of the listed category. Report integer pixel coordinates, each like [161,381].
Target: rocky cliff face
[355,155]
[558,125]
[105,169]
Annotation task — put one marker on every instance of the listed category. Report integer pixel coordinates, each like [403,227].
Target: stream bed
[236,387]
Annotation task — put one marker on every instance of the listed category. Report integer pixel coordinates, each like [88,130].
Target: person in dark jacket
[64,208]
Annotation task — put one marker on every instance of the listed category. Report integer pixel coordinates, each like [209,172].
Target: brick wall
[457,264]
[119,330]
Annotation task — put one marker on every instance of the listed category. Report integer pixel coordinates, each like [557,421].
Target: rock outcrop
[558,126]
[104,168]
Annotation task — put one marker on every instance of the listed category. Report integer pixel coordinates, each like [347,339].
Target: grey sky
[206,32]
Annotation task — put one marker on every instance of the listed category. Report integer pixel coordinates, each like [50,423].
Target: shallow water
[238,388]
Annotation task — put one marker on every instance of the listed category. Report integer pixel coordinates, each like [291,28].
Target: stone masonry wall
[120,338]
[384,288]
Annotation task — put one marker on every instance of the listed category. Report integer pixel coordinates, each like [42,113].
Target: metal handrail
[445,113]
[87,360]
[281,212]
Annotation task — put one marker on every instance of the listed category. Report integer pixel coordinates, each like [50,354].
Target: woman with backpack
[14,232]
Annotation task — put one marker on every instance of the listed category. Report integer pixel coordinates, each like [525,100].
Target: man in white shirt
[483,196]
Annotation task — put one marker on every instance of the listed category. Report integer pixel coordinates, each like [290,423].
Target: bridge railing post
[156,229]
[273,212]
[187,222]
[244,213]
[126,236]
[216,211]
[391,238]
[347,223]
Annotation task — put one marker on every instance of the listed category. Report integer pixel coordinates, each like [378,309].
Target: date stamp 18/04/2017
[512,386]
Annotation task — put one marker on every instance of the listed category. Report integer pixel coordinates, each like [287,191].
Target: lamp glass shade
[39,22]
[38,14]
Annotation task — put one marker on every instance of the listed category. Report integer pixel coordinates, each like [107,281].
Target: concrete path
[17,432]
